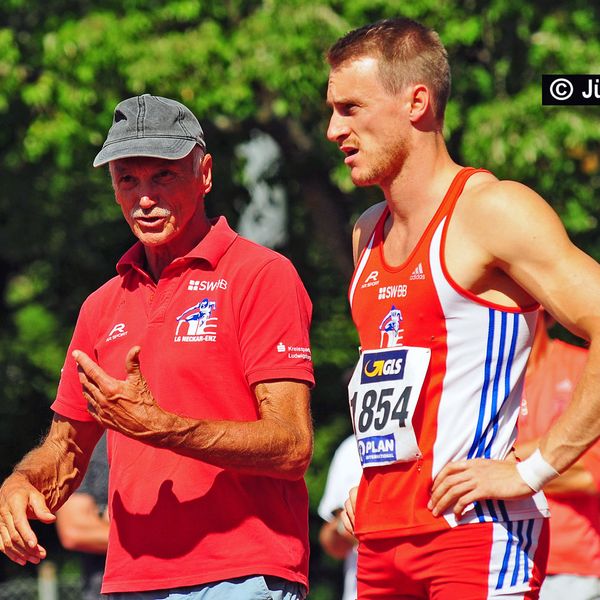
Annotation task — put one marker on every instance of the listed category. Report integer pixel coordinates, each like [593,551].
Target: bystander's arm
[81,527]
[335,539]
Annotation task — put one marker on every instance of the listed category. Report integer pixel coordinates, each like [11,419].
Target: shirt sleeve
[69,400]
[275,320]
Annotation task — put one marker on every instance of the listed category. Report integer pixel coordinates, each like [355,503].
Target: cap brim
[162,147]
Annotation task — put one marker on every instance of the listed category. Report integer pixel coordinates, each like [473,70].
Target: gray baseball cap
[151,126]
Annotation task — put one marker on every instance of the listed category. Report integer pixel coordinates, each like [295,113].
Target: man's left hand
[126,406]
[461,483]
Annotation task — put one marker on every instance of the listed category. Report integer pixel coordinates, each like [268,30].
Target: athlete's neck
[417,189]
[415,194]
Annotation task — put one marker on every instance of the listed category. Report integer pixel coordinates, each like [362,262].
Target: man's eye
[165,175]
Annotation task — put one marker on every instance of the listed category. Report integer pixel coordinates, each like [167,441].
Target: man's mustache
[155,212]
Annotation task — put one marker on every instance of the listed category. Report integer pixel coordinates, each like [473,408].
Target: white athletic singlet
[469,401]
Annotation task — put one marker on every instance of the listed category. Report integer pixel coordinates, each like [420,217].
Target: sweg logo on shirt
[203,286]
[383,366]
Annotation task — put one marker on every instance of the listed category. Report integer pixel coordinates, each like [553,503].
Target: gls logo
[383,366]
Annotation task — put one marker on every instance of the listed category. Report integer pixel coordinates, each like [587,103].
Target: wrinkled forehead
[150,163]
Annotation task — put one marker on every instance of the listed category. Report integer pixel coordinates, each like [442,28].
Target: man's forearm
[262,447]
[576,480]
[278,444]
[56,467]
[578,427]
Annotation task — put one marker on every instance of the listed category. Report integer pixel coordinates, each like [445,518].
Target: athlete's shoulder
[489,205]
[364,226]
[485,192]
[507,223]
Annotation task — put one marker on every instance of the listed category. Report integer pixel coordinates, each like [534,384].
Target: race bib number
[383,393]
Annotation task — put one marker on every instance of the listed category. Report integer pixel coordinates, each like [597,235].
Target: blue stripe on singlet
[515,575]
[486,379]
[481,450]
[507,388]
[528,543]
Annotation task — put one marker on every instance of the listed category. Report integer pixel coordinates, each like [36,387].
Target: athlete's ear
[420,102]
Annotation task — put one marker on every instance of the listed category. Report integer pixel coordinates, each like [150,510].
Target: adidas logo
[418,272]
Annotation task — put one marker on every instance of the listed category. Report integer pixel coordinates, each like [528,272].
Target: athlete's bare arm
[577,480]
[517,235]
[41,483]
[278,444]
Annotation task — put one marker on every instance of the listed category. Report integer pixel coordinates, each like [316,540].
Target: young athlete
[443,510]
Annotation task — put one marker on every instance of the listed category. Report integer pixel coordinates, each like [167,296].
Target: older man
[209,429]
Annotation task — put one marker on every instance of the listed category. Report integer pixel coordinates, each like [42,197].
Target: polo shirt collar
[211,248]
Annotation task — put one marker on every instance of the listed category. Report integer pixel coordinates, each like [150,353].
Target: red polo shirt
[227,315]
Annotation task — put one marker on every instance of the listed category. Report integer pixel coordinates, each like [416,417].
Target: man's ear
[206,173]
[420,102]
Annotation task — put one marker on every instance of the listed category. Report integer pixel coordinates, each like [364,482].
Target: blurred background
[253,72]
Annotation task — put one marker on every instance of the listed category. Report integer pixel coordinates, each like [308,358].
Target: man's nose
[337,128]
[146,201]
[147,194]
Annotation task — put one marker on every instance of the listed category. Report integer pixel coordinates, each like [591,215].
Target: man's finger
[451,498]
[132,362]
[347,514]
[7,547]
[40,509]
[448,471]
[23,530]
[348,523]
[88,388]
[92,372]
[17,544]
[8,544]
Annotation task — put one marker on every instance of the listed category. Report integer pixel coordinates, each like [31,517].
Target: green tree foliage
[242,66]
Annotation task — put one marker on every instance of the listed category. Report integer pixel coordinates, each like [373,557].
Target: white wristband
[535,471]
